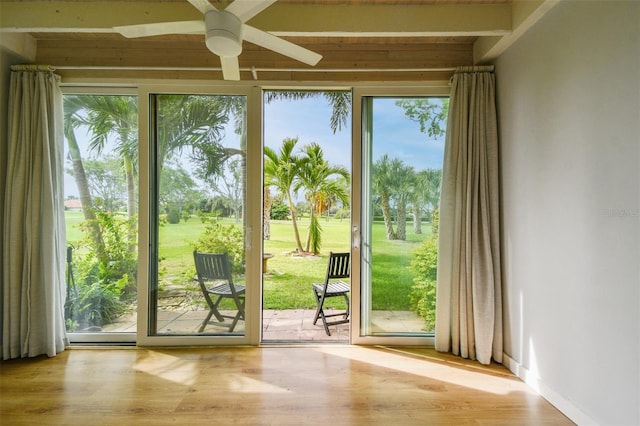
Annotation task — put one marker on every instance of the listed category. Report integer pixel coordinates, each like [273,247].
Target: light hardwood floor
[307,385]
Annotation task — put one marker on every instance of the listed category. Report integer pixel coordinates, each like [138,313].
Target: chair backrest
[339,266]
[213,266]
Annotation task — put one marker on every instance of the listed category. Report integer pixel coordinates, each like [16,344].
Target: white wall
[569,117]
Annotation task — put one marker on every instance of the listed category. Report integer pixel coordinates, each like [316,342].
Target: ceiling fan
[224,31]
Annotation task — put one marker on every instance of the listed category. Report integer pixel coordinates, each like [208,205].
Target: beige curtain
[469,288]
[33,285]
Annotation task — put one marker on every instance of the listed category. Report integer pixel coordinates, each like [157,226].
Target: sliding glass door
[101,212]
[132,271]
[400,146]
[198,202]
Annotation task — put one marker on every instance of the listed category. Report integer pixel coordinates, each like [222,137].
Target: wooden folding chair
[217,268]
[333,286]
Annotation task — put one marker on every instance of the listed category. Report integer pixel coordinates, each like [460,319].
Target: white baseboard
[567,408]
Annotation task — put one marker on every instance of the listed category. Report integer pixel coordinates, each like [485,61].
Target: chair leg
[239,315]
[213,311]
[346,298]
[318,308]
[320,312]
[214,308]
[206,321]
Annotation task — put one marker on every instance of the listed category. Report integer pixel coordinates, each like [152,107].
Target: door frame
[360,93]
[253,212]
[253,233]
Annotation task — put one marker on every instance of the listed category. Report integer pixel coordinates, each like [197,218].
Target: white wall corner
[524,15]
[19,44]
[567,408]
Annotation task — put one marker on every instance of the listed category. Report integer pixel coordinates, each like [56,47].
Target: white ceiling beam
[361,19]
[21,45]
[525,15]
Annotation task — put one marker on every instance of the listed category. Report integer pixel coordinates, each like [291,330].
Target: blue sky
[393,133]
[399,137]
[309,121]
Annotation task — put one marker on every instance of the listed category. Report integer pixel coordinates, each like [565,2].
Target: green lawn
[287,283]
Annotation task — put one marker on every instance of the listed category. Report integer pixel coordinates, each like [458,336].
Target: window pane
[404,149]
[101,199]
[199,144]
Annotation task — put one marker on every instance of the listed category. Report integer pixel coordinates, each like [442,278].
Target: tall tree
[317,177]
[193,123]
[430,113]
[402,180]
[229,186]
[382,181]
[432,189]
[340,103]
[281,172]
[107,182]
[418,199]
[207,151]
[72,117]
[177,188]
[113,118]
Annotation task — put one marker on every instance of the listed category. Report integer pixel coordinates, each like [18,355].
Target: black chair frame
[333,286]
[216,267]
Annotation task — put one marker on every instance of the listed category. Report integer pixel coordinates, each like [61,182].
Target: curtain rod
[254,71]
[126,68]
[31,67]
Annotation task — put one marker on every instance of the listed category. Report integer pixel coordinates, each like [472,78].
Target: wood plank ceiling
[363,40]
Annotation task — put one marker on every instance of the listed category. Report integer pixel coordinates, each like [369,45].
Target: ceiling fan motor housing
[224,33]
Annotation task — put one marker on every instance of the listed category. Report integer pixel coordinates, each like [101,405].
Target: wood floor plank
[329,385]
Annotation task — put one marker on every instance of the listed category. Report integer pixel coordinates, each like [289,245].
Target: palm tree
[433,196]
[382,182]
[402,181]
[418,199]
[194,122]
[281,171]
[72,119]
[340,102]
[115,118]
[315,177]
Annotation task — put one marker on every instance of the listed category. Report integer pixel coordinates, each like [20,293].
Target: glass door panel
[101,203]
[402,153]
[198,155]
[306,208]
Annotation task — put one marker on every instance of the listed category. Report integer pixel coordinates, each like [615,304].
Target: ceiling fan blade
[247,9]
[230,68]
[202,5]
[160,28]
[279,45]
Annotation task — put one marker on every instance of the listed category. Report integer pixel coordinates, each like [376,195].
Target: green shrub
[95,304]
[173,215]
[105,277]
[342,214]
[423,294]
[279,211]
[218,238]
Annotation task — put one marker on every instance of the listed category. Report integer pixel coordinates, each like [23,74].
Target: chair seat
[334,288]
[226,289]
